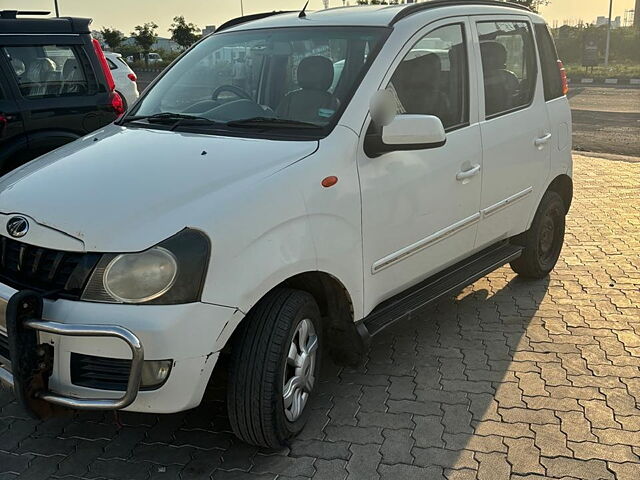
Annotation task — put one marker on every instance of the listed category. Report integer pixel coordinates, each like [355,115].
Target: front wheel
[543,241]
[275,363]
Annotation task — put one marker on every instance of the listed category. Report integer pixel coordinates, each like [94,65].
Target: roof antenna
[302,13]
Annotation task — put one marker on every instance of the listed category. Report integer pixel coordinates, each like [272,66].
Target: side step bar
[437,286]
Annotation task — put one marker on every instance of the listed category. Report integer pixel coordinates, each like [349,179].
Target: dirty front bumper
[40,338]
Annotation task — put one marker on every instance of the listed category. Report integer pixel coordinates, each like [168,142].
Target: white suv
[252,207]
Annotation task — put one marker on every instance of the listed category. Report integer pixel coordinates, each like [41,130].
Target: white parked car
[125,78]
[154,58]
[251,214]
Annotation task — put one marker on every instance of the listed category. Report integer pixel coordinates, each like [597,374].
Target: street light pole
[241,8]
[57,9]
[606,52]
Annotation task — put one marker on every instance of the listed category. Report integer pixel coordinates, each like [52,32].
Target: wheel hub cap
[299,372]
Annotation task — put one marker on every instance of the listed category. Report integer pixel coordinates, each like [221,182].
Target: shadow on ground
[411,408]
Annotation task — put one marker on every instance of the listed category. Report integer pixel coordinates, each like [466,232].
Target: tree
[183,33]
[145,36]
[532,4]
[112,37]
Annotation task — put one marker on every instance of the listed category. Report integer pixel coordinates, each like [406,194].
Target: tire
[259,368]
[543,241]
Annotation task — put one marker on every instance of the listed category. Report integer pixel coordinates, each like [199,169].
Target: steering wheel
[230,88]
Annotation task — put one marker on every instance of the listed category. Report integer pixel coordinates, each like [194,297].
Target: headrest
[18,66]
[315,73]
[39,68]
[424,70]
[70,65]
[494,55]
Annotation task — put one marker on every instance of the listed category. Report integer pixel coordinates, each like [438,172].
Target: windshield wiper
[168,117]
[271,122]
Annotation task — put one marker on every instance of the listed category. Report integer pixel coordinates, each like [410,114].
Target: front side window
[508,65]
[432,79]
[47,70]
[298,77]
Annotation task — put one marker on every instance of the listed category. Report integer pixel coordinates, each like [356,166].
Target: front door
[516,134]
[420,208]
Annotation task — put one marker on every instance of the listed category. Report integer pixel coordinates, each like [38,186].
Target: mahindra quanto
[292,185]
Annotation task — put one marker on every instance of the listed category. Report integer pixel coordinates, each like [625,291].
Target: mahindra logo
[17,227]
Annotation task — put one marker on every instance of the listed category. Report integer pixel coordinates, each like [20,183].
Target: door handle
[542,141]
[465,174]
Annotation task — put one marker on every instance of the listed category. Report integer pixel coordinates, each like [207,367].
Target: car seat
[501,86]
[312,102]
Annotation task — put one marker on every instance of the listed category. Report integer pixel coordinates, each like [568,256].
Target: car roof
[11,22]
[361,15]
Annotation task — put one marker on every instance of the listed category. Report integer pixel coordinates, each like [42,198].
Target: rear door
[12,139]
[59,91]
[555,97]
[516,135]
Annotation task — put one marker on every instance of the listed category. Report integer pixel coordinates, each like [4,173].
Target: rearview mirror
[405,132]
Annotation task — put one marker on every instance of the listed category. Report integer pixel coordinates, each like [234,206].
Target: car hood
[125,189]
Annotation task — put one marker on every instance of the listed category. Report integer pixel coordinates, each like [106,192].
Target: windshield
[294,78]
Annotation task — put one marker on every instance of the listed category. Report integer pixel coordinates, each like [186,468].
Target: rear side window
[432,79]
[548,63]
[112,66]
[508,65]
[48,70]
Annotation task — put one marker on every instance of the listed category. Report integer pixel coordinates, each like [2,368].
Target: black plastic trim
[249,18]
[420,7]
[13,25]
[443,283]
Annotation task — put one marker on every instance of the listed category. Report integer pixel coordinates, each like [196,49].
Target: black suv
[55,85]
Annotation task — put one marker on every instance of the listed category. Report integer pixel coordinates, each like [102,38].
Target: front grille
[100,372]
[24,266]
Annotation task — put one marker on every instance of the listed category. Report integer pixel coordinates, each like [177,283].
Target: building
[615,23]
[161,44]
[208,30]
[636,16]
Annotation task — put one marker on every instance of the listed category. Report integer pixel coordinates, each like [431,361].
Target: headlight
[140,277]
[170,273]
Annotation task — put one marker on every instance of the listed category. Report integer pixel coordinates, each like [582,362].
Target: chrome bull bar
[74,330]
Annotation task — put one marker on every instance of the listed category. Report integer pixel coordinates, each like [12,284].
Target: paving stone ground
[510,379]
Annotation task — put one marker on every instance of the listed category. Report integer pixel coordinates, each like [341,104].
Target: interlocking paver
[592,450]
[510,379]
[585,470]
[397,446]
[364,462]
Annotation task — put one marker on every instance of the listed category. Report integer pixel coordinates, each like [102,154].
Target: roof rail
[248,18]
[419,7]
[12,14]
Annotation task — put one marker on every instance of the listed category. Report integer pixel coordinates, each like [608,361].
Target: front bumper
[189,334]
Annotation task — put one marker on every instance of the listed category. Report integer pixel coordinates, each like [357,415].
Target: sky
[126,14]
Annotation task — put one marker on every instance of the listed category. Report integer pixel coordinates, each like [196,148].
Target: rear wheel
[543,241]
[275,363]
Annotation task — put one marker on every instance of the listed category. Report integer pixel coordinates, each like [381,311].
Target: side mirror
[405,132]
[414,132]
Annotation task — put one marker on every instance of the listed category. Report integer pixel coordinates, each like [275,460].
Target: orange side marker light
[329,181]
